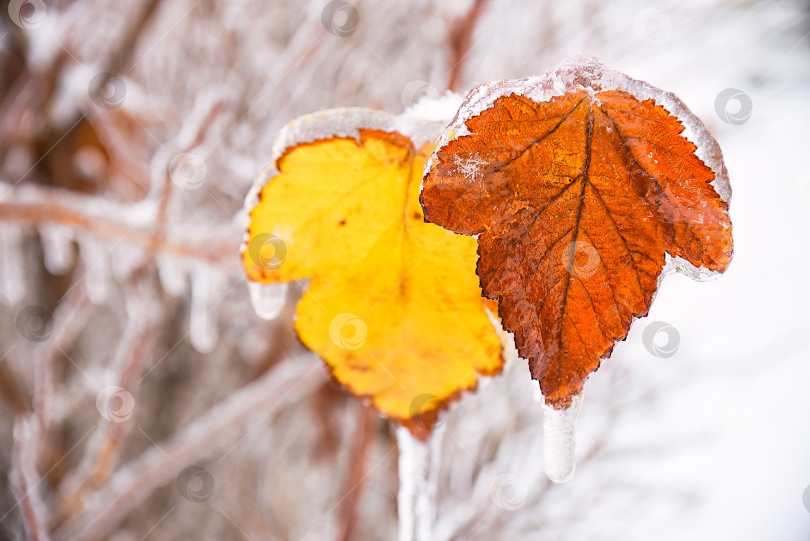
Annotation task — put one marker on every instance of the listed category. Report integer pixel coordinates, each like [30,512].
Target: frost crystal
[470,168]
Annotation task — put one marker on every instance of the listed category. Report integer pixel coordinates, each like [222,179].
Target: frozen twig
[133,352]
[418,469]
[366,423]
[25,479]
[281,386]
[69,318]
[108,220]
[461,40]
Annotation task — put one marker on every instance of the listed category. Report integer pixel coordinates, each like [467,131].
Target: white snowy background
[120,222]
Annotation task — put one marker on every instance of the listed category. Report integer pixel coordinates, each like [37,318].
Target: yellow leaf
[393,304]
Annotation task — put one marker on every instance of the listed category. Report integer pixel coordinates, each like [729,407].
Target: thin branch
[41,205]
[69,319]
[366,425]
[460,39]
[132,483]
[25,479]
[418,468]
[132,353]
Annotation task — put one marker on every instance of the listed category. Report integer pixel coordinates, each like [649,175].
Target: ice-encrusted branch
[69,319]
[116,401]
[418,470]
[129,224]
[279,387]
[26,480]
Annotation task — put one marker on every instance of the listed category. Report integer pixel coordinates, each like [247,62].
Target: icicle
[418,470]
[207,289]
[57,248]
[97,279]
[173,277]
[559,442]
[12,269]
[267,299]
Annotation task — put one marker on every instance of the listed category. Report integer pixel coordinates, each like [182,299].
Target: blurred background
[141,397]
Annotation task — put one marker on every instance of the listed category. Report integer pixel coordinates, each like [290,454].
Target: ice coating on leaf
[267,299]
[57,248]
[344,122]
[559,442]
[441,109]
[586,72]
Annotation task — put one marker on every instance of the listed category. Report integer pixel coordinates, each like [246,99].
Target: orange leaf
[579,183]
